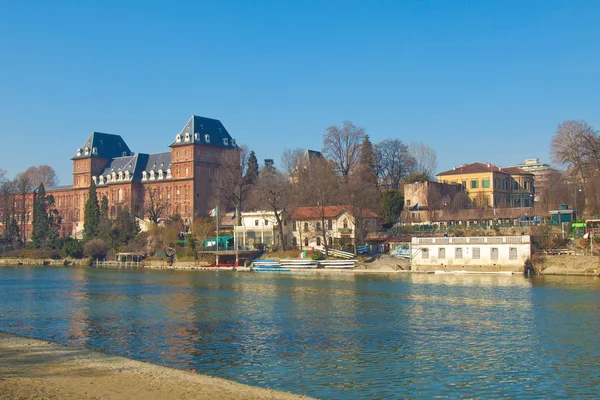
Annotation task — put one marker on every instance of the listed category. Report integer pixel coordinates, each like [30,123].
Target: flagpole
[235,242]
[217,235]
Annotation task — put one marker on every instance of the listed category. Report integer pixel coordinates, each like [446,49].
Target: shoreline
[559,265]
[33,368]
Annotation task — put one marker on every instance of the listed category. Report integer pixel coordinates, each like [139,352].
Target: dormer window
[144,175]
[95,180]
[87,151]
[160,174]
[225,142]
[102,179]
[152,175]
[178,138]
[233,142]
[113,176]
[169,173]
[187,137]
[94,150]
[196,136]
[78,152]
[127,175]
[120,175]
[107,178]
[207,138]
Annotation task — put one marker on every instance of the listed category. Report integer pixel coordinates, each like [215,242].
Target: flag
[214,212]
[416,207]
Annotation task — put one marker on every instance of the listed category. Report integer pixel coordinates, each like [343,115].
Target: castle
[179,178]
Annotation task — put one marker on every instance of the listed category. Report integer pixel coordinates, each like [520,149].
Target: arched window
[207,138]
[169,173]
[120,195]
[306,241]
[144,175]
[120,175]
[345,223]
[178,138]
[160,174]
[152,175]
[127,175]
[87,151]
[187,137]
[102,179]
[225,142]
[113,176]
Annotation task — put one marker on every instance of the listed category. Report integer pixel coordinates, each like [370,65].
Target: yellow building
[490,186]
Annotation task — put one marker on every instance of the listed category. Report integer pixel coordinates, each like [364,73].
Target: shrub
[95,249]
[317,255]
[73,249]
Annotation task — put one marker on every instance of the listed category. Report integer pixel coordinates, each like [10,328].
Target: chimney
[454,168]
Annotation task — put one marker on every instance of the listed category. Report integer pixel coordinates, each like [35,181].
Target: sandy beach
[35,369]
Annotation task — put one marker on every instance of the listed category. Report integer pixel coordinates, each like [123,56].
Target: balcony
[345,231]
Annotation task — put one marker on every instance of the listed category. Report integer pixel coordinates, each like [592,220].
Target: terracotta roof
[303,213]
[480,167]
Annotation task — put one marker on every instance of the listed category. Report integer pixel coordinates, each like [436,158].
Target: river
[333,337]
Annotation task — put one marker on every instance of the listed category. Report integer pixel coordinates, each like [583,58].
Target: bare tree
[273,191]
[569,145]
[291,159]
[318,186]
[362,195]
[342,145]
[234,179]
[24,187]
[393,161]
[41,174]
[156,205]
[425,158]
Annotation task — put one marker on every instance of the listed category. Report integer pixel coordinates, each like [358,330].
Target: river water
[333,337]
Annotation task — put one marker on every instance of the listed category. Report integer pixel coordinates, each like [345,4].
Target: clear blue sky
[477,81]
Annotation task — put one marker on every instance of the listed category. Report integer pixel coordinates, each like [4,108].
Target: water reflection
[333,336]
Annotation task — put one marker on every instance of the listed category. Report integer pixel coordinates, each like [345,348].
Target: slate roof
[197,128]
[480,167]
[137,165]
[103,145]
[304,213]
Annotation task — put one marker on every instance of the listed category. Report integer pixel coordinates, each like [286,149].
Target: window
[441,253]
[255,222]
[345,223]
[458,254]
[517,203]
[186,209]
[425,253]
[266,222]
[306,227]
[516,185]
[474,184]
[187,171]
[485,183]
[476,253]
[526,203]
[207,154]
[512,253]
[330,241]
[329,224]
[306,241]
[318,226]
[294,226]
[318,240]
[407,202]
[464,184]
[494,253]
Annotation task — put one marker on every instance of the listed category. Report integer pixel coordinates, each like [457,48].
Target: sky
[478,81]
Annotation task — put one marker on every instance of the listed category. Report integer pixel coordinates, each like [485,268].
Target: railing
[473,240]
[338,253]
[119,264]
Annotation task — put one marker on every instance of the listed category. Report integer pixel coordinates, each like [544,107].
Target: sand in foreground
[35,369]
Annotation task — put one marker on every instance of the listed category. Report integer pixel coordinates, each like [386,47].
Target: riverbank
[39,369]
[544,265]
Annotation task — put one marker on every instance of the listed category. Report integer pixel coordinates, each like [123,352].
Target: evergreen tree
[252,172]
[105,224]
[91,215]
[126,227]
[45,221]
[367,160]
